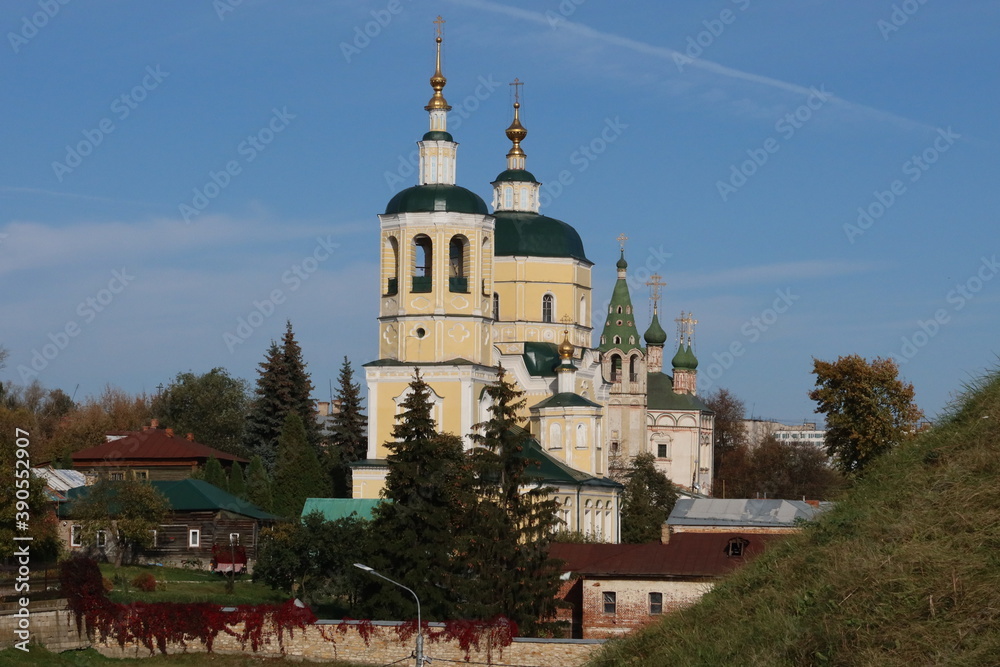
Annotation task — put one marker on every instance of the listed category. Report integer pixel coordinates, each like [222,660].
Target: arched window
[555,436]
[496,306]
[508,197]
[619,310]
[392,252]
[617,340]
[616,368]
[633,376]
[581,436]
[548,305]
[458,280]
[423,263]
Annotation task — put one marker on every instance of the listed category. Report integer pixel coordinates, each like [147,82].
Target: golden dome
[516,132]
[566,348]
[437,83]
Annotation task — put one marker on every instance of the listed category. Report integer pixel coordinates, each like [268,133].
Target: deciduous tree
[868,409]
[126,510]
[213,406]
[729,433]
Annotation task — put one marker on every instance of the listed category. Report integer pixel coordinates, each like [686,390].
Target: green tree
[283,387]
[214,474]
[127,511]
[422,529]
[297,474]
[212,406]
[237,483]
[868,409]
[514,519]
[259,485]
[348,442]
[647,501]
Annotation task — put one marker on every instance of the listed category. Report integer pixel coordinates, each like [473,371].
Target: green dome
[516,175]
[438,135]
[520,233]
[621,263]
[655,335]
[685,359]
[436,197]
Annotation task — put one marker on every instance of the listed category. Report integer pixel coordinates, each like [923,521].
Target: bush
[145,582]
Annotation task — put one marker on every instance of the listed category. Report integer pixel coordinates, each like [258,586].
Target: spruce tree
[259,485]
[348,441]
[421,530]
[297,474]
[283,386]
[237,483]
[509,553]
[647,501]
[214,474]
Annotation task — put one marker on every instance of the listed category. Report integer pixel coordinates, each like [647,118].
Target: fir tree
[259,485]
[237,484]
[509,554]
[420,531]
[647,501]
[297,474]
[283,387]
[348,441]
[214,474]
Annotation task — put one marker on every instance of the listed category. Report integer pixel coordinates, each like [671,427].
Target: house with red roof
[152,454]
[614,588]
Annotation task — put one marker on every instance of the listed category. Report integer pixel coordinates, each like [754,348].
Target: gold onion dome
[516,132]
[566,347]
[437,83]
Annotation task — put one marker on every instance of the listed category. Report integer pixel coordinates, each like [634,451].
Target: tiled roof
[150,445]
[686,555]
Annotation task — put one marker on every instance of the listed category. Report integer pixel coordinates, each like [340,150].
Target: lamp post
[420,636]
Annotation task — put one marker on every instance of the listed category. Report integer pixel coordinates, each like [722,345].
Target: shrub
[145,582]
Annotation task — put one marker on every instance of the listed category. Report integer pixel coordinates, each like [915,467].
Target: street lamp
[420,636]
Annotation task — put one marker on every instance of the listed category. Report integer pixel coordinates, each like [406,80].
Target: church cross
[440,22]
[621,241]
[516,85]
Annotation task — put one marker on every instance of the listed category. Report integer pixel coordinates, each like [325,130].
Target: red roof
[687,555]
[150,445]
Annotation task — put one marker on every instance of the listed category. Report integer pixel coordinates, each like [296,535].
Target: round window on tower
[420,332]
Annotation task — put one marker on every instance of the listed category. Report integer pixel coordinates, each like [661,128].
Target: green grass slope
[904,571]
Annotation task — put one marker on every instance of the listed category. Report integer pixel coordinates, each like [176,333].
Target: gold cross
[621,240]
[655,283]
[517,93]
[566,319]
[440,22]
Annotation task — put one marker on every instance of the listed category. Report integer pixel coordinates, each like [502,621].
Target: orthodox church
[463,289]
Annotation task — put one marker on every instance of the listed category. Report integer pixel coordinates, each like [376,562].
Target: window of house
[656,603]
[76,536]
[152,539]
[614,447]
[194,537]
[102,539]
[736,547]
[141,475]
[234,538]
[116,476]
[548,305]
[610,602]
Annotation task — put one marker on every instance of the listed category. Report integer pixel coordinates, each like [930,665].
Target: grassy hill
[904,571]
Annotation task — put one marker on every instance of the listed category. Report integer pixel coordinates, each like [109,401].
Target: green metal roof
[436,197]
[187,495]
[626,331]
[516,175]
[438,135]
[565,399]
[655,335]
[521,233]
[660,395]
[341,508]
[457,361]
[541,359]
[547,470]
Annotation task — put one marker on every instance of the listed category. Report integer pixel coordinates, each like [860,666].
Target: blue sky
[810,178]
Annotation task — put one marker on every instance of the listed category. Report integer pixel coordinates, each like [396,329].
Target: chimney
[154,423]
[170,432]
[189,437]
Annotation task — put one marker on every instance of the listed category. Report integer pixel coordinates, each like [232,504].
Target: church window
[617,340]
[619,312]
[628,309]
[422,263]
[555,436]
[524,198]
[633,376]
[392,282]
[581,436]
[615,446]
[616,367]
[496,306]
[662,451]
[433,176]
[548,305]
[619,323]
[458,280]
[583,311]
[508,197]
[631,340]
